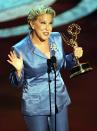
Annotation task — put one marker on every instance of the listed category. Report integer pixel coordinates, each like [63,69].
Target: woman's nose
[47,27]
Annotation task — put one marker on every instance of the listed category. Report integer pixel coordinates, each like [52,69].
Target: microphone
[49,65]
[54,63]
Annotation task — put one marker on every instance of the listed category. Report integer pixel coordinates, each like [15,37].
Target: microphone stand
[53,60]
[52,63]
[48,71]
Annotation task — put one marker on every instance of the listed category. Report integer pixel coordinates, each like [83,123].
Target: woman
[33,64]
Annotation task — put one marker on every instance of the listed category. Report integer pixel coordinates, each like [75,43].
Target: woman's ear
[31,24]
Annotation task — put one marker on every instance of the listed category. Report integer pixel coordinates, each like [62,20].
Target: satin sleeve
[69,61]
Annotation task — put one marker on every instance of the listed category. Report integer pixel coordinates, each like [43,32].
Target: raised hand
[16,62]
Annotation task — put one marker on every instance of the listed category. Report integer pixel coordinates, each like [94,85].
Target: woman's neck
[35,40]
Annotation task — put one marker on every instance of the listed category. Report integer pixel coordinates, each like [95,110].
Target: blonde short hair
[37,11]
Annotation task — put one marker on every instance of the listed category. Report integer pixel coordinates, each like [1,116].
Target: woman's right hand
[16,62]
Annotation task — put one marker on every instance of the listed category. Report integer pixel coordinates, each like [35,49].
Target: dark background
[82,89]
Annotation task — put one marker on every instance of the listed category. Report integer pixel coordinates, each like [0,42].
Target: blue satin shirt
[34,78]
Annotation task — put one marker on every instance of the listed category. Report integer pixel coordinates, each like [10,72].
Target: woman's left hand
[78,52]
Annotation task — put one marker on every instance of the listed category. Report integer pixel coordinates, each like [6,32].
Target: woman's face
[42,27]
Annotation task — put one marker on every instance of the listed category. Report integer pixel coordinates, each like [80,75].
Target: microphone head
[49,65]
[53,59]
[49,62]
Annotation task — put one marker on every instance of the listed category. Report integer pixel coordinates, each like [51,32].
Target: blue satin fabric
[34,78]
[42,122]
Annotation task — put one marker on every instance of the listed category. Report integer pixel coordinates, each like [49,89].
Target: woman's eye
[51,23]
[42,22]
[46,23]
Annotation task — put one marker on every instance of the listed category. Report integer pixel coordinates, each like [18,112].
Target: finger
[12,54]
[10,57]
[10,62]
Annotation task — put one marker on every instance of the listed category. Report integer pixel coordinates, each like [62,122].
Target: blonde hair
[37,11]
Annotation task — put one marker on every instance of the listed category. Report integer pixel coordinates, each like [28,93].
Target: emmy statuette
[79,68]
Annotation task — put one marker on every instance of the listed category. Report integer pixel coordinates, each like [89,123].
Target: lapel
[33,49]
[52,45]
